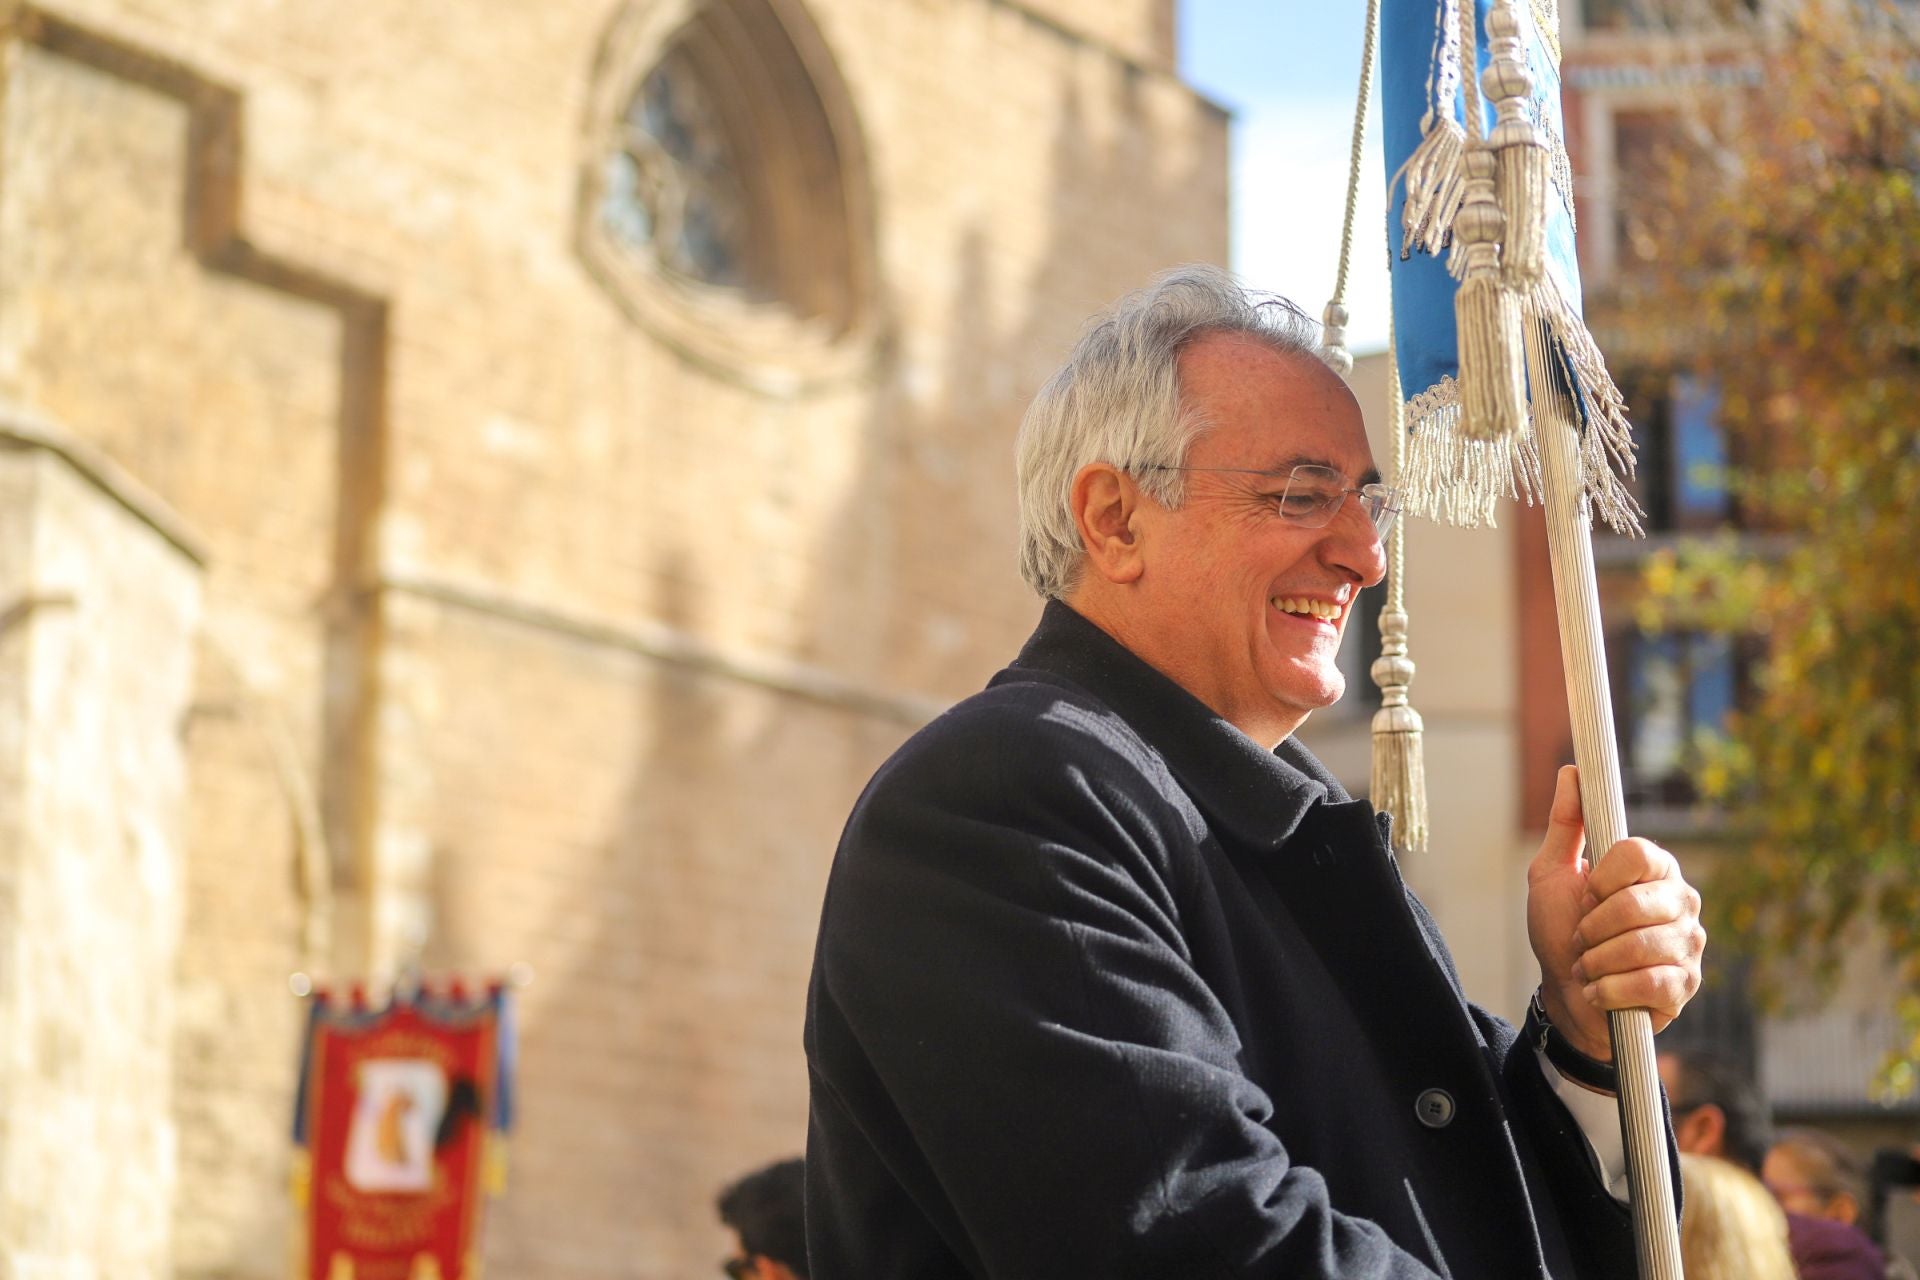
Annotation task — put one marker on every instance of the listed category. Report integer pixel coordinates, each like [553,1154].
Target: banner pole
[1603,807]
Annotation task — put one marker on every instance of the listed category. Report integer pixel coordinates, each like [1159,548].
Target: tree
[1787,231]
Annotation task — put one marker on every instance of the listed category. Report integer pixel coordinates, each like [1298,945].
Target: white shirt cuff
[1598,1115]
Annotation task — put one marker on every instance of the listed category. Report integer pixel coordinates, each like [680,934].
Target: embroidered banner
[1449,478]
[400,1128]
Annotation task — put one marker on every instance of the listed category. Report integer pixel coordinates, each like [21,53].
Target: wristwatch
[1566,1059]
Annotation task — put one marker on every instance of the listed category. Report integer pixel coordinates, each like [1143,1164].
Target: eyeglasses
[1313,495]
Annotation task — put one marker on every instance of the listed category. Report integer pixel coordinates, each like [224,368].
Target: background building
[1636,75]
[486,484]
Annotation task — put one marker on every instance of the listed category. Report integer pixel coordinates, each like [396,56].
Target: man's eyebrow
[1281,468]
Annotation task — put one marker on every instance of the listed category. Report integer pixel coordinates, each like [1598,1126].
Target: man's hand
[1625,935]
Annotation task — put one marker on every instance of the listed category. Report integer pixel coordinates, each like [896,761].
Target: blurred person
[1816,1174]
[1813,1173]
[1114,979]
[1717,1111]
[1730,1228]
[765,1210]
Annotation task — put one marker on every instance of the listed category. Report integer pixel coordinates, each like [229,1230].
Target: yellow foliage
[1796,241]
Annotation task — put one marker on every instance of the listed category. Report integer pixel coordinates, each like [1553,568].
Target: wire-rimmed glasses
[1314,494]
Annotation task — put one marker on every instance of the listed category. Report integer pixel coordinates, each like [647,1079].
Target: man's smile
[1310,608]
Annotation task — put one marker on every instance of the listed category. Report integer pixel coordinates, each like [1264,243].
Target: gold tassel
[1493,386]
[1521,156]
[1433,175]
[1399,785]
[1434,187]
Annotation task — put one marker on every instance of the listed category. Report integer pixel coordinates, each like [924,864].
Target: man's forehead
[1275,410]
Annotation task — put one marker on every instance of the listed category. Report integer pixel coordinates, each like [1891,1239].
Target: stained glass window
[672,188]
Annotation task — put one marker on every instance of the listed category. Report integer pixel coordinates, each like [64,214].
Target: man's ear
[1702,1131]
[1105,503]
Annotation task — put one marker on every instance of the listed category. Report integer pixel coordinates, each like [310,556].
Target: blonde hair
[1730,1227]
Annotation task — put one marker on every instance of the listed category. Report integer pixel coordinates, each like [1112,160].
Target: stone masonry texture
[526,632]
[97,619]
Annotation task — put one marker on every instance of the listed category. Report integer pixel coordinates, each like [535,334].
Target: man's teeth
[1311,608]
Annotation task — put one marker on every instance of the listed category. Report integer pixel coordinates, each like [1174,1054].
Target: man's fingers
[1679,943]
[1636,907]
[1632,861]
[1662,990]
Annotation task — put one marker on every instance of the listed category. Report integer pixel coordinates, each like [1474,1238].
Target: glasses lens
[1312,496]
[1382,505]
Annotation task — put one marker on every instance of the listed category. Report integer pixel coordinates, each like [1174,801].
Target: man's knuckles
[1633,861]
[1664,989]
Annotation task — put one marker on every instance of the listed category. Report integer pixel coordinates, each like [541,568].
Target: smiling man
[1113,979]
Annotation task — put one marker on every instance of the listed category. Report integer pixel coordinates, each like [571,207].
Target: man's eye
[1299,504]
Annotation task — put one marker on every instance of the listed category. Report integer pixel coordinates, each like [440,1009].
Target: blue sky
[1288,70]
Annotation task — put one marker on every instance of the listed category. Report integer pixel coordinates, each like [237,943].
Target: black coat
[1103,989]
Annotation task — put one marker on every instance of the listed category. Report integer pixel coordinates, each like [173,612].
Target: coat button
[1434,1107]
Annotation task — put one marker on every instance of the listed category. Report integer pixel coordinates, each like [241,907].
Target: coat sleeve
[1024,1030]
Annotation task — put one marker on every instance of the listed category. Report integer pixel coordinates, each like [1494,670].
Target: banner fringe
[1456,480]
[1606,437]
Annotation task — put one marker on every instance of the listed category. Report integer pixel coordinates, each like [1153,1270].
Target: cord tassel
[1399,784]
[1520,175]
[1493,384]
[1434,179]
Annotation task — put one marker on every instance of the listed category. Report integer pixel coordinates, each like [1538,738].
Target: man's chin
[1316,693]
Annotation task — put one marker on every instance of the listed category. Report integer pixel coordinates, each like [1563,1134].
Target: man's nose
[1354,546]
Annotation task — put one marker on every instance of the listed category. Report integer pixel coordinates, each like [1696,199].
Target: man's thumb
[1566,835]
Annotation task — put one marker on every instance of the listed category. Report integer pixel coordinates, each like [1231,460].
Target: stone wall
[533,631]
[98,612]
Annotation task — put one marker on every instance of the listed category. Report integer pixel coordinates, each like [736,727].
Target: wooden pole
[1656,1230]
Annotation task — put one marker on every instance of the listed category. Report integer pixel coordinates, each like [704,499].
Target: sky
[1288,70]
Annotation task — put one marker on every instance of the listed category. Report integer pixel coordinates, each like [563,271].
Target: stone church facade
[484,484]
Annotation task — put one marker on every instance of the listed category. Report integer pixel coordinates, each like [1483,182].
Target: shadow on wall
[687,947]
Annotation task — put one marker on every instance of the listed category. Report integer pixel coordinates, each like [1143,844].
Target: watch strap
[1567,1060]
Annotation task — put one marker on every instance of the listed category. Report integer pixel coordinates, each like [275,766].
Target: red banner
[397,1111]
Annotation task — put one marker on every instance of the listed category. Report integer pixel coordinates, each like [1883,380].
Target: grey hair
[1117,400]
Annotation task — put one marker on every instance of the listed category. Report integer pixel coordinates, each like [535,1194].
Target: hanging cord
[1399,783]
[1396,422]
[1333,348]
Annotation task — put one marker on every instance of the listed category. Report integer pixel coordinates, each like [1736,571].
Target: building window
[1680,687]
[1640,142]
[1681,477]
[673,189]
[724,202]
[1659,16]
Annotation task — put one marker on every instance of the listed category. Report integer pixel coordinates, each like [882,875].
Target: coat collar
[1257,796]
